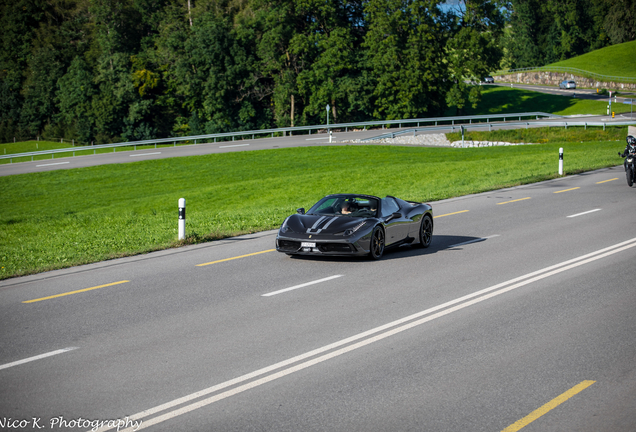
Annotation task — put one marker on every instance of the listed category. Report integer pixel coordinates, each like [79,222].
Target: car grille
[334,247]
[288,245]
[294,246]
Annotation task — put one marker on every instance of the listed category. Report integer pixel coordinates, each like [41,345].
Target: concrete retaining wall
[554,78]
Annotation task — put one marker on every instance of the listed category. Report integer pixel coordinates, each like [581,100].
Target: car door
[397,228]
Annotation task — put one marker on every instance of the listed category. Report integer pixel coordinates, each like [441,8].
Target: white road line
[474,241]
[58,163]
[145,154]
[362,339]
[314,139]
[236,145]
[584,213]
[302,285]
[38,357]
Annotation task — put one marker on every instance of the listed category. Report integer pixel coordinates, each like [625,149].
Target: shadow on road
[440,243]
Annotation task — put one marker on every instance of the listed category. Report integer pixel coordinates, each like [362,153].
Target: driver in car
[347,208]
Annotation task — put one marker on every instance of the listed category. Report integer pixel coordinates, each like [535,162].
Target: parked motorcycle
[630,160]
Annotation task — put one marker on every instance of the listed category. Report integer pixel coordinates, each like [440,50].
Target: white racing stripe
[343,346]
[301,285]
[37,357]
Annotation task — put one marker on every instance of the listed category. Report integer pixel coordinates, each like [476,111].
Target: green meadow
[501,100]
[614,60]
[62,218]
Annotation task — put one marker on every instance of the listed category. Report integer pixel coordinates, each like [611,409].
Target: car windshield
[346,205]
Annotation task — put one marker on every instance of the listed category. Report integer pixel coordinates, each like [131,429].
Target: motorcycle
[630,160]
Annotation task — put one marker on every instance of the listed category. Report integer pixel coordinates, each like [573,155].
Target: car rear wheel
[377,243]
[426,231]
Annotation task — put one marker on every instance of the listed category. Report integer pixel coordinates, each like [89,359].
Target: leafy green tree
[405,56]
[620,20]
[332,42]
[522,42]
[472,48]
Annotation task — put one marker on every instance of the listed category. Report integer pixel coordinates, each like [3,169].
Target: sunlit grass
[501,100]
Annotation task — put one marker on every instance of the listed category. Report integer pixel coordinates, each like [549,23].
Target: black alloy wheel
[377,243]
[426,231]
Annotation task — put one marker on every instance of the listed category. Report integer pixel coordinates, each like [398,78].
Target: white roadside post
[182,218]
[561,161]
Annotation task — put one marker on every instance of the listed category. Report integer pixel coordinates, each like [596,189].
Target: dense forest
[122,70]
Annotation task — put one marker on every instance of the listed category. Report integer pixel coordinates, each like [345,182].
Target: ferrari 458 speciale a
[351,224]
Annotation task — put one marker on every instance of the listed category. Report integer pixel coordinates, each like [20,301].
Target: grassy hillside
[615,60]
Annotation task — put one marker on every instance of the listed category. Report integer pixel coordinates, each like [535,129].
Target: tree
[405,57]
[331,43]
[473,48]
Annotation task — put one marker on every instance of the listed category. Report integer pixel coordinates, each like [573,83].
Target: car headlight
[350,231]
[284,228]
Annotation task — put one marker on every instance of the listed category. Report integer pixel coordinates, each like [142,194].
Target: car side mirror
[300,210]
[395,215]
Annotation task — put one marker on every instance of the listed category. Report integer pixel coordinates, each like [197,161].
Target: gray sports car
[350,224]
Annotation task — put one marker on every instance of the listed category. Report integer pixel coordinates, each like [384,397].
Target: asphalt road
[520,315]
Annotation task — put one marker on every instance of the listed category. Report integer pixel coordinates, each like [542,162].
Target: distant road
[150,153]
[555,90]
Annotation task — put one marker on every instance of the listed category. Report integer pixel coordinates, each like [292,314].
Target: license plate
[308,244]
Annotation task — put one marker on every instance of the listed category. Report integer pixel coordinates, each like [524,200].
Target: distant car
[489,80]
[568,84]
[351,224]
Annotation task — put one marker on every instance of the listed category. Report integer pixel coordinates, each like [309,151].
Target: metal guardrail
[489,126]
[581,72]
[254,133]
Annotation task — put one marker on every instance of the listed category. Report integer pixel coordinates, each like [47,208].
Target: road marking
[37,357]
[314,139]
[566,190]
[237,257]
[360,340]
[235,145]
[449,214]
[605,181]
[520,199]
[584,213]
[302,285]
[548,407]
[58,163]
[75,292]
[145,154]
[474,241]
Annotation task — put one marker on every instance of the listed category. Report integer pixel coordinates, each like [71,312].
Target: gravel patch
[438,140]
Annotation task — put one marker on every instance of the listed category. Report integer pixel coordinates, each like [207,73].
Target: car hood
[316,224]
